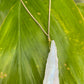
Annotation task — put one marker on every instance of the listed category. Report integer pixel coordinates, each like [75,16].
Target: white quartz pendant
[52,72]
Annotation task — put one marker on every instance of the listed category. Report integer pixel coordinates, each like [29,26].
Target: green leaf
[24,47]
[67,28]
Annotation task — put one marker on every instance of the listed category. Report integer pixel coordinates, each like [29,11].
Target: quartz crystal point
[52,72]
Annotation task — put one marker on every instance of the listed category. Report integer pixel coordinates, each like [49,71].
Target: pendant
[52,72]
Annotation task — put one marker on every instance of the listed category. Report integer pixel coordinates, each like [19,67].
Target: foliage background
[24,47]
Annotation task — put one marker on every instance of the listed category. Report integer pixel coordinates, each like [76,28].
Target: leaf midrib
[19,43]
